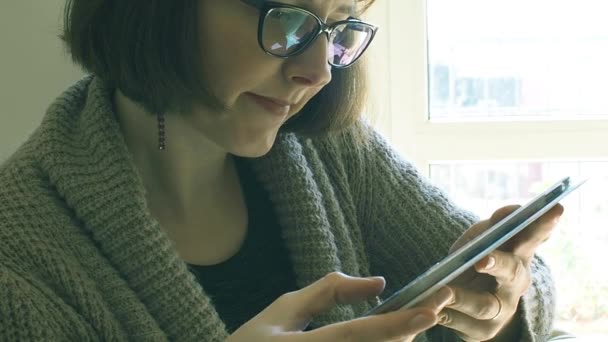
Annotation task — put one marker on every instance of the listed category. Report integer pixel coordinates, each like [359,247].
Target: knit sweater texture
[82,258]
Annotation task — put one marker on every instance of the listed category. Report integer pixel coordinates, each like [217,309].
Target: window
[517,57]
[495,99]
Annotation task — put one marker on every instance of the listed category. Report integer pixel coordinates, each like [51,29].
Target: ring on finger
[499,306]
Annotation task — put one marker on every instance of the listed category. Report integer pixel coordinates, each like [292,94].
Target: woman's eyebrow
[346,9]
[343,7]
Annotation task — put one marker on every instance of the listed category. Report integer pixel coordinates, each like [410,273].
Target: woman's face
[262,92]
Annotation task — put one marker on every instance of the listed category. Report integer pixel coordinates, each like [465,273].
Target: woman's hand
[486,297]
[285,319]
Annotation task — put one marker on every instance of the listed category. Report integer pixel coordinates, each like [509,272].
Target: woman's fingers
[524,243]
[477,305]
[294,310]
[469,328]
[286,317]
[503,212]
[439,300]
[481,306]
[397,325]
[528,240]
[510,271]
[401,325]
[479,314]
[483,225]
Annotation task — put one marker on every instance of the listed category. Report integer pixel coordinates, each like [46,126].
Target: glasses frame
[266,6]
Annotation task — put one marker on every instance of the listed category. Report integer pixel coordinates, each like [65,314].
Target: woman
[212,180]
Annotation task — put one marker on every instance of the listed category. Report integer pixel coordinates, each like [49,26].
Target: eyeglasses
[285,31]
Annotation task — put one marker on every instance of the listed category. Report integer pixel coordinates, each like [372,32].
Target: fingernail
[421,322]
[491,263]
[444,296]
[377,279]
[442,318]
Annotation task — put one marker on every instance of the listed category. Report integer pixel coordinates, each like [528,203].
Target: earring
[160,118]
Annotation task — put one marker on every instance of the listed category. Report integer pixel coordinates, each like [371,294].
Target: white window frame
[399,106]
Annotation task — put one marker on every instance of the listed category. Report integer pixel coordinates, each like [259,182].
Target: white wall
[33,67]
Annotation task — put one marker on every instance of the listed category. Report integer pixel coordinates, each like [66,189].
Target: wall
[33,67]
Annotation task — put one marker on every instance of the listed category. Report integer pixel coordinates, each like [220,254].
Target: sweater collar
[87,160]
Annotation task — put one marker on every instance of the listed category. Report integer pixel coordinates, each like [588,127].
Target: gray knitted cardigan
[82,259]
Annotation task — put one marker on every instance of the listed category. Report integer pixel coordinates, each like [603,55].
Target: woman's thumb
[295,309]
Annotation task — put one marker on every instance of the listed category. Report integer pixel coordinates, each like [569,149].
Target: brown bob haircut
[145,49]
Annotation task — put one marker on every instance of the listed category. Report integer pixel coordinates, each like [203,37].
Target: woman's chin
[255,148]
[257,153]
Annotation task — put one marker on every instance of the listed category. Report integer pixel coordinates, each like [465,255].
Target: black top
[260,272]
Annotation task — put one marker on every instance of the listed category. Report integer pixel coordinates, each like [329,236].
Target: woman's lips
[272,105]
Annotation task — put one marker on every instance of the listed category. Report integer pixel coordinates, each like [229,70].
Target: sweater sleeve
[21,316]
[28,314]
[409,225]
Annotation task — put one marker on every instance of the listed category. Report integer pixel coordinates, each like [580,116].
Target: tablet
[467,255]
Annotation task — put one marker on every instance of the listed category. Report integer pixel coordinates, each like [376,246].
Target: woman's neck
[190,168]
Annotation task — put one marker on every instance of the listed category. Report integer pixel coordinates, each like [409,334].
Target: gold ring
[499,306]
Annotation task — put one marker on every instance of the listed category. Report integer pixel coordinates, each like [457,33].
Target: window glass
[517,58]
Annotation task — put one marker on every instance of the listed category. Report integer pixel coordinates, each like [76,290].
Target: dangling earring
[160,118]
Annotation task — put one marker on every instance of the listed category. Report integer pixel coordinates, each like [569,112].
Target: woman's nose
[311,67]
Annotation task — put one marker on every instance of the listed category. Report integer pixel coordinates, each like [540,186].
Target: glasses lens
[347,43]
[287,30]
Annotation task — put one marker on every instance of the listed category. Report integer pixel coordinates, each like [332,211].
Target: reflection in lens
[286,30]
[347,43]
